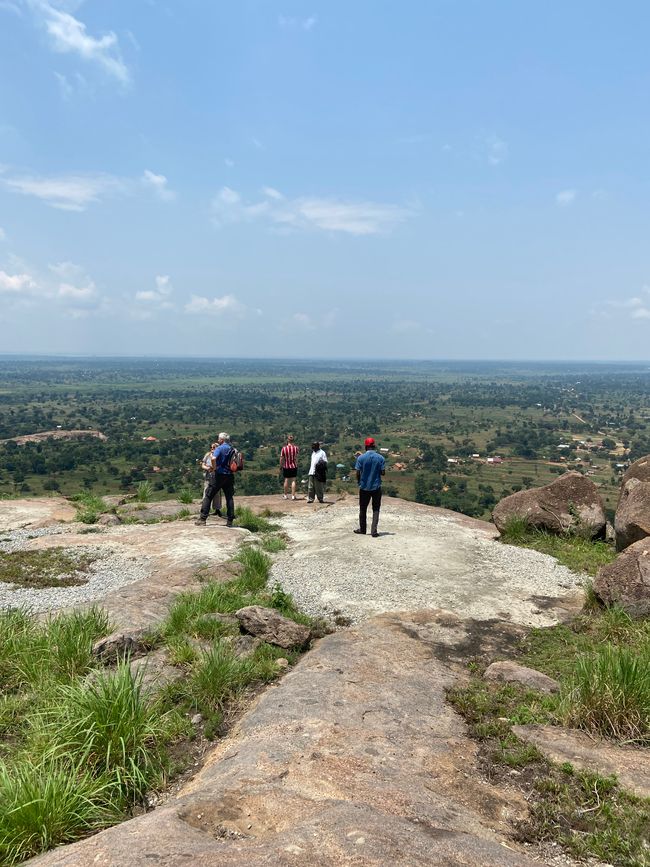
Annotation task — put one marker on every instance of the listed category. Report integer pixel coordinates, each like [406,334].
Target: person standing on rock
[370,467]
[222,480]
[289,466]
[208,475]
[317,474]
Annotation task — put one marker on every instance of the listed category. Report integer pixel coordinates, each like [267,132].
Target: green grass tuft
[247,519]
[572,549]
[143,492]
[186,496]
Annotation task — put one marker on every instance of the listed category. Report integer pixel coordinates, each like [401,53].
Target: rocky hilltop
[355,756]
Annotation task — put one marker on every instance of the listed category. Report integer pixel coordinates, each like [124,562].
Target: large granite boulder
[638,470]
[632,521]
[571,502]
[626,581]
[272,627]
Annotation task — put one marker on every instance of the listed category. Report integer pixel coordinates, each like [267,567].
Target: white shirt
[315,458]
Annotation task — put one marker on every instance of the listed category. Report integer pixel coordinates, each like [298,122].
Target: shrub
[89,507]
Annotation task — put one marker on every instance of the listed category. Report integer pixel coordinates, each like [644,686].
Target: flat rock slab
[630,764]
[159,511]
[173,552]
[423,558]
[35,513]
[353,758]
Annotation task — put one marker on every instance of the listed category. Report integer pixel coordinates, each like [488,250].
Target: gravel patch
[110,569]
[420,561]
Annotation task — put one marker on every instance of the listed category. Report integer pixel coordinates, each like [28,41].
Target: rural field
[106,425]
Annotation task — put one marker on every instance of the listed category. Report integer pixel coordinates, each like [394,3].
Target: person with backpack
[225,462]
[208,476]
[317,474]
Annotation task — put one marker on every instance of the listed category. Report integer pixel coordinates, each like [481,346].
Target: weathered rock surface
[354,758]
[626,581]
[35,513]
[511,672]
[632,521]
[155,670]
[638,470]
[569,502]
[272,627]
[164,510]
[630,764]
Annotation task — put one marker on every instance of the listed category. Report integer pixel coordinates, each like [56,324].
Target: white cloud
[566,198]
[158,296]
[229,163]
[226,305]
[77,293]
[636,307]
[68,35]
[641,313]
[16,283]
[3,234]
[66,192]
[335,215]
[158,183]
[291,23]
[497,150]
[271,193]
[303,321]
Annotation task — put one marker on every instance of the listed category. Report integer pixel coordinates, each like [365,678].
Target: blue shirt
[370,465]
[221,455]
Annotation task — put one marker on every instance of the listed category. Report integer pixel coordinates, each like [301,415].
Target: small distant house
[453,461]
[476,455]
[495,460]
[149,439]
[564,446]
[385,451]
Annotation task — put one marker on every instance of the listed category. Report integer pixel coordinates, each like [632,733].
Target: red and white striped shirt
[289,455]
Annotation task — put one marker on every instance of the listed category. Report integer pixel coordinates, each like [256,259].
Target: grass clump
[143,492]
[115,725]
[573,549]
[273,544]
[47,804]
[54,567]
[186,495]
[609,694]
[89,507]
[589,815]
[247,519]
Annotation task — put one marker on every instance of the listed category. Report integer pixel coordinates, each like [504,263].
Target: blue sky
[429,179]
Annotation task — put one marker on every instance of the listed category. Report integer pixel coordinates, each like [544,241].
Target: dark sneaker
[360,532]
[374,535]
[229,523]
[200,522]
[218,514]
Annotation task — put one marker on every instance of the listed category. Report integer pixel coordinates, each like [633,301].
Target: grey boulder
[571,502]
[272,627]
[626,581]
[512,672]
[632,521]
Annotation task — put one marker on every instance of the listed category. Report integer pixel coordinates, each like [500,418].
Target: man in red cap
[370,467]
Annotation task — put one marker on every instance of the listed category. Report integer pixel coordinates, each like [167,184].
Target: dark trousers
[364,499]
[222,482]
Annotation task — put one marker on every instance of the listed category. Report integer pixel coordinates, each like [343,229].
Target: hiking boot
[217,513]
[200,522]
[229,523]
[360,532]
[374,535]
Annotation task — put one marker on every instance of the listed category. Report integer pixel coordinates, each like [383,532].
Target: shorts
[288,473]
